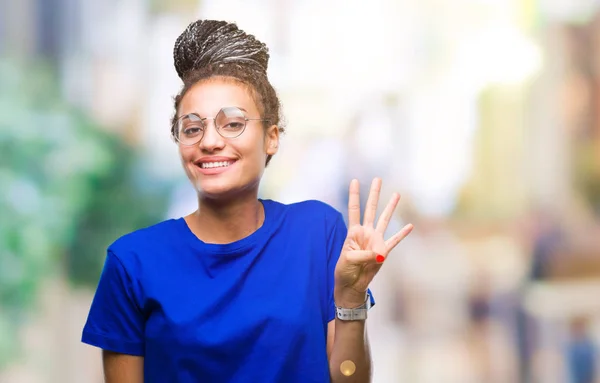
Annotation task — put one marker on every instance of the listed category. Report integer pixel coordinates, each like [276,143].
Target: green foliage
[122,200]
[67,189]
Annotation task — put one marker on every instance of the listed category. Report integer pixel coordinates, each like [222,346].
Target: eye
[234,126]
[192,129]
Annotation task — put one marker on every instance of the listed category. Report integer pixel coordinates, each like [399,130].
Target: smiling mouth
[213,165]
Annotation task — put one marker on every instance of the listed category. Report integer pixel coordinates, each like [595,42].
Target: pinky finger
[398,237]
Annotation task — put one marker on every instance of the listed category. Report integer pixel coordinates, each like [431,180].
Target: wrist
[349,298]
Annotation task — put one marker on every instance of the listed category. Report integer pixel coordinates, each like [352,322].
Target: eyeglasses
[230,122]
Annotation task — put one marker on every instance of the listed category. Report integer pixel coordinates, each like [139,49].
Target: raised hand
[365,248]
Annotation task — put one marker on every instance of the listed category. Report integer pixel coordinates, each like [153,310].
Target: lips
[214,165]
[213,160]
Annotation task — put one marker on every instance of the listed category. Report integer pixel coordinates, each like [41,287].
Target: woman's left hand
[365,248]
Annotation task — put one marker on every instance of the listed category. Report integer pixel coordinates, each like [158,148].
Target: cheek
[186,153]
[253,148]
[186,156]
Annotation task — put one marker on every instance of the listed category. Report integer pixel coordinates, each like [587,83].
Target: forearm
[350,350]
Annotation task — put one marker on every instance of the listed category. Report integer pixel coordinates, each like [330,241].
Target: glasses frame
[214,119]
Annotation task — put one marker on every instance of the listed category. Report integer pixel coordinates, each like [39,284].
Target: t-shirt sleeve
[115,321]
[335,242]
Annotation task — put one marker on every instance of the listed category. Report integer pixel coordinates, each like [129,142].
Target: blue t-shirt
[255,310]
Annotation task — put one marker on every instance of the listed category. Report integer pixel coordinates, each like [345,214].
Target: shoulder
[307,207]
[144,239]
[318,213]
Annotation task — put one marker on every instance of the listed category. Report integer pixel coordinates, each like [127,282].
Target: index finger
[354,203]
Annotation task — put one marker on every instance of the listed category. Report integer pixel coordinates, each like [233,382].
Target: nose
[212,140]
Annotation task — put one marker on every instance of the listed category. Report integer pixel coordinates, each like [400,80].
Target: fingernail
[380,258]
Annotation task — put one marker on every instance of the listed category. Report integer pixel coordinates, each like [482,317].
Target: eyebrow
[239,107]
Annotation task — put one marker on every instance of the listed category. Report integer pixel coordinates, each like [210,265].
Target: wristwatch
[357,313]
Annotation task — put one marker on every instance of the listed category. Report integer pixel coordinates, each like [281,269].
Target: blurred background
[483,114]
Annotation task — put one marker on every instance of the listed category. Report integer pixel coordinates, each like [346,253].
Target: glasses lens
[190,129]
[231,122]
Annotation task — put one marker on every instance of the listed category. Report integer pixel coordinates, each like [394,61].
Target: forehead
[208,97]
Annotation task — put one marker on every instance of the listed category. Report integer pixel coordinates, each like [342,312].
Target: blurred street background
[483,114]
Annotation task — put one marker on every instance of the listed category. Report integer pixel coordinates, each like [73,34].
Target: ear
[272,140]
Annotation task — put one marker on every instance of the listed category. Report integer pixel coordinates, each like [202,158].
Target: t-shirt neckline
[231,247]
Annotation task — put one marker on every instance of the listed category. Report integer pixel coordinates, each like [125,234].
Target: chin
[229,184]
[217,189]
[224,189]
[213,190]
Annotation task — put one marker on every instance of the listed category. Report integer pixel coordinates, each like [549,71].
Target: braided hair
[211,48]
[207,43]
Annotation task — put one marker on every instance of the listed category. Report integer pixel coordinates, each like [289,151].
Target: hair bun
[207,43]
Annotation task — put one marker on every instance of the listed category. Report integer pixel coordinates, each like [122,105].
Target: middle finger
[372,201]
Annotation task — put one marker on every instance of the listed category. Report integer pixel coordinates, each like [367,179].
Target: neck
[223,222]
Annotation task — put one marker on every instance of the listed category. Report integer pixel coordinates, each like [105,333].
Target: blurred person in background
[546,238]
[581,354]
[243,289]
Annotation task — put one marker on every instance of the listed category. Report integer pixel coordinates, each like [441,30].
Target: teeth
[210,165]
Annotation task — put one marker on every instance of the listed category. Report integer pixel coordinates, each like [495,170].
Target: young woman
[243,289]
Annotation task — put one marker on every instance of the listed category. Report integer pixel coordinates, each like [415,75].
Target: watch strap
[357,313]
